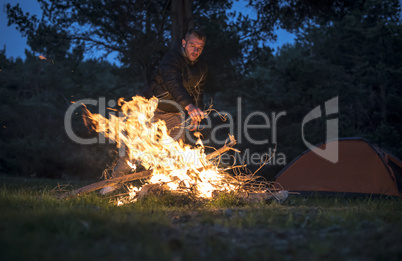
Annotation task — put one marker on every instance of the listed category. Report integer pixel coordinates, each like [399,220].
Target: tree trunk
[188,16]
[182,19]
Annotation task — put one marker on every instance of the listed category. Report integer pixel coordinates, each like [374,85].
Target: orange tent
[361,168]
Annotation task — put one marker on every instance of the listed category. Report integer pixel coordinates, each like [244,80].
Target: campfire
[165,163]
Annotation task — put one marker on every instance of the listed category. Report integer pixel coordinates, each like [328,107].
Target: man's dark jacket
[180,80]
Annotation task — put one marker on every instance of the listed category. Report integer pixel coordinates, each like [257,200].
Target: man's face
[193,47]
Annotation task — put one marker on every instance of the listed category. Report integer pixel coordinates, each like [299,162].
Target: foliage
[35,96]
[355,56]
[295,15]
[348,49]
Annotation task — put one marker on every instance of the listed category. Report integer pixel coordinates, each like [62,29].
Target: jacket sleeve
[171,72]
[199,90]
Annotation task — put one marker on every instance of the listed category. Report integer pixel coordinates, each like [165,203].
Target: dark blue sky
[16,44]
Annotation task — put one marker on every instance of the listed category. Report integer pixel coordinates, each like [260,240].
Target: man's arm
[199,92]
[171,72]
[196,115]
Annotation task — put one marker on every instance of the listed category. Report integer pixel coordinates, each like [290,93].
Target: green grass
[35,225]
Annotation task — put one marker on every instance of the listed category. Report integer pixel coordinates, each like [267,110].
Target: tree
[182,19]
[354,55]
[294,15]
[139,31]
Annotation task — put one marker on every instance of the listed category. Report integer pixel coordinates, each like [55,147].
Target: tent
[361,168]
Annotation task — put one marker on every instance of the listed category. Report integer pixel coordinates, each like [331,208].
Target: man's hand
[194,125]
[196,115]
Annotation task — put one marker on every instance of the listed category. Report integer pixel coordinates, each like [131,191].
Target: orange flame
[174,163]
[44,58]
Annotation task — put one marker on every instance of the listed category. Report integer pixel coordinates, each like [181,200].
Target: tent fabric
[361,168]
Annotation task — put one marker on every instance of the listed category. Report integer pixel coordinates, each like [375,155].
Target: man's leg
[121,168]
[174,123]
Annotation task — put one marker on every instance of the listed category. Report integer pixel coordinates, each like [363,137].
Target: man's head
[193,44]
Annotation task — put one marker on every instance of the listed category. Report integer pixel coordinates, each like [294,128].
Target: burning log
[224,149]
[106,183]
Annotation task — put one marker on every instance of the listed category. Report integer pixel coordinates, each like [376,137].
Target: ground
[35,224]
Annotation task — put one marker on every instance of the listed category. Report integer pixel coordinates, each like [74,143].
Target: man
[179,85]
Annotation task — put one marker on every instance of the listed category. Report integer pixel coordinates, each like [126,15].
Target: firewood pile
[249,187]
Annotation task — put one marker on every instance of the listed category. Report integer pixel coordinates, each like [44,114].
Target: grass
[35,225]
